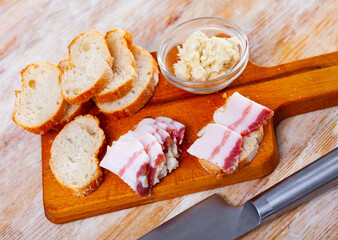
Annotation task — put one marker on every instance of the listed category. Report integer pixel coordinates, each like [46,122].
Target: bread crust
[82,110]
[98,179]
[96,88]
[64,64]
[122,90]
[117,93]
[109,60]
[96,182]
[142,99]
[46,126]
[107,75]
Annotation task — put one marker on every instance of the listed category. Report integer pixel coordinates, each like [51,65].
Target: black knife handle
[298,188]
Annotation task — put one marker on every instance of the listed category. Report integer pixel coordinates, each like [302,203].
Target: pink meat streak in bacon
[154,151]
[129,163]
[242,115]
[165,138]
[232,160]
[143,156]
[218,145]
[140,189]
[128,160]
[177,128]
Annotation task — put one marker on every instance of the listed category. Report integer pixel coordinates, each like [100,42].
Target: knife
[214,219]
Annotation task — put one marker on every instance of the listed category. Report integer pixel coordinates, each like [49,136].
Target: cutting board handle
[292,88]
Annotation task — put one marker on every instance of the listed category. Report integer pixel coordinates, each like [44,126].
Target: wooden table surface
[278,32]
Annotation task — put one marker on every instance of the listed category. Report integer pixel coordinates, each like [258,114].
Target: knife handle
[298,188]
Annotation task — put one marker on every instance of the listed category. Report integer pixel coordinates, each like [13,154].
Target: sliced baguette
[75,155]
[39,105]
[250,146]
[80,83]
[88,45]
[89,69]
[124,68]
[71,112]
[141,92]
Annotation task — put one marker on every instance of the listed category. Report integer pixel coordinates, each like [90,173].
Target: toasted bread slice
[142,90]
[39,105]
[250,147]
[89,69]
[75,155]
[124,68]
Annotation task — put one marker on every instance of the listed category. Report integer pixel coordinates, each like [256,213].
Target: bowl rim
[188,83]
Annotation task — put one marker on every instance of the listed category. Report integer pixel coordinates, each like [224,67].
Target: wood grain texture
[278,32]
[310,90]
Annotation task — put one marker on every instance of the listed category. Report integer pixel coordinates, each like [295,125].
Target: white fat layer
[171,157]
[164,171]
[172,164]
[174,151]
[118,156]
[173,125]
[144,181]
[151,121]
[152,147]
[160,129]
[234,110]
[212,137]
[149,129]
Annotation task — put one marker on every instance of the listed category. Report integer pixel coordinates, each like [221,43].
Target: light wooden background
[278,31]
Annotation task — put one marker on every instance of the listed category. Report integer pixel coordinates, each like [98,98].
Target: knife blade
[214,219]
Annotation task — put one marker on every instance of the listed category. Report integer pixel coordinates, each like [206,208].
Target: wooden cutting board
[288,89]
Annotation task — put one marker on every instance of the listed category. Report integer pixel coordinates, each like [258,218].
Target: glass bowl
[210,26]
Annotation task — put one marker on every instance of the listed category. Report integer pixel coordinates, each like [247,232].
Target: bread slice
[141,92]
[89,45]
[89,70]
[250,147]
[40,104]
[124,68]
[75,155]
[71,112]
[80,83]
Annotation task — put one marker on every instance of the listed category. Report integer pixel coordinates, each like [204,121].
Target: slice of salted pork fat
[242,115]
[154,150]
[170,148]
[219,145]
[177,128]
[162,129]
[162,140]
[128,160]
